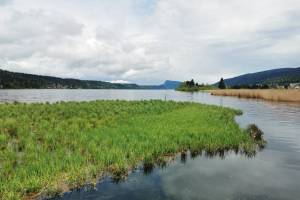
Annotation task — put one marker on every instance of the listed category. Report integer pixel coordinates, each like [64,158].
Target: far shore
[286,95]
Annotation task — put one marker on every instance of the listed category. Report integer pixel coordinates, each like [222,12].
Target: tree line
[191,85]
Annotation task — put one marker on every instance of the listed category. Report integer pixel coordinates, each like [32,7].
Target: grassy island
[191,86]
[46,149]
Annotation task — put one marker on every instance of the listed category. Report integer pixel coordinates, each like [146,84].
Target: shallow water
[274,173]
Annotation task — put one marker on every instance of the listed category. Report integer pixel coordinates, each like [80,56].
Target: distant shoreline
[282,95]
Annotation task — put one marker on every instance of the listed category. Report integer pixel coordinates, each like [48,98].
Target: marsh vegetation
[287,95]
[46,149]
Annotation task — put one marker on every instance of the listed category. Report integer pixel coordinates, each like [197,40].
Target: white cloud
[5,2]
[120,81]
[148,41]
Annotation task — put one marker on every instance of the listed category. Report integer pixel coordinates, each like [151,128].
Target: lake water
[274,173]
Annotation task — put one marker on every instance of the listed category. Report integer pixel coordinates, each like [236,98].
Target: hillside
[283,76]
[12,80]
[170,84]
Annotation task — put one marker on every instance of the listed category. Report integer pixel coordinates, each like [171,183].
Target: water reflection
[149,167]
[273,173]
[185,156]
[149,176]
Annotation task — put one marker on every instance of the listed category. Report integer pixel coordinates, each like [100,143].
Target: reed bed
[287,95]
[46,149]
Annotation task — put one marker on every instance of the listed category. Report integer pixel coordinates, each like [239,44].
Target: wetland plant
[49,148]
[255,132]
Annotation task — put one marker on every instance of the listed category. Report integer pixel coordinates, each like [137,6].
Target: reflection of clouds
[232,178]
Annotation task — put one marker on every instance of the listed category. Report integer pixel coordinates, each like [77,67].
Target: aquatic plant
[46,149]
[255,132]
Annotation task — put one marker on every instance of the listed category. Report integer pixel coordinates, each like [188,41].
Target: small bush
[255,132]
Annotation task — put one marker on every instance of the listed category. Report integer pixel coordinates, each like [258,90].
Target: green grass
[47,148]
[195,88]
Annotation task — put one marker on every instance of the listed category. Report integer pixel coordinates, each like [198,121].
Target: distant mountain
[167,85]
[13,80]
[170,84]
[281,76]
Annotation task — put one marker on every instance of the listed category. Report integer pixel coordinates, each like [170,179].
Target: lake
[274,173]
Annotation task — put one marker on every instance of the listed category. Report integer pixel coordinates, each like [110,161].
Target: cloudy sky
[148,41]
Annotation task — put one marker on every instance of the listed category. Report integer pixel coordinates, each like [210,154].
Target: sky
[148,41]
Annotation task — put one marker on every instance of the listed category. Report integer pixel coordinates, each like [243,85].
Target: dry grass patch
[288,95]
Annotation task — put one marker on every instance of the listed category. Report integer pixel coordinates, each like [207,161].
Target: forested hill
[281,76]
[168,84]
[12,80]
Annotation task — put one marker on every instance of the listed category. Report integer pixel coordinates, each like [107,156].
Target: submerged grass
[46,149]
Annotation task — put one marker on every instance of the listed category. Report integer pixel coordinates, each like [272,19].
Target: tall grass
[288,95]
[46,149]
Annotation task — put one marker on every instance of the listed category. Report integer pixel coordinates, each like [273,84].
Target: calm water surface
[274,173]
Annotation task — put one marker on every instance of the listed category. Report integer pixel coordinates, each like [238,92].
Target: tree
[187,83]
[222,84]
[192,83]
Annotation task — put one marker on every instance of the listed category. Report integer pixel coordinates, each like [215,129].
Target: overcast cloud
[148,41]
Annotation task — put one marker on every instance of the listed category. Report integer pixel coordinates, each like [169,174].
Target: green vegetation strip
[191,86]
[47,148]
